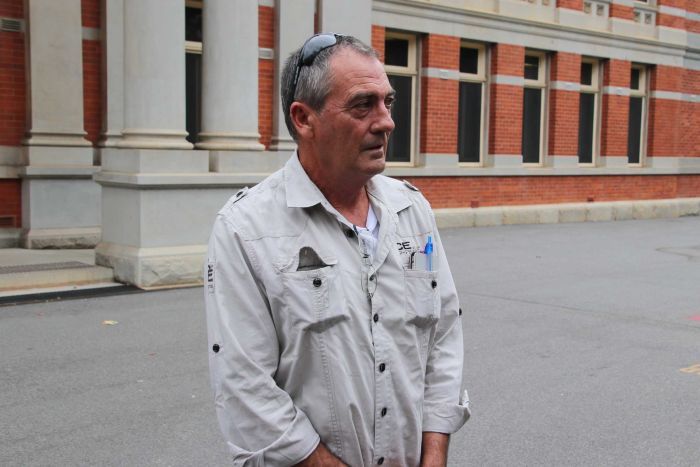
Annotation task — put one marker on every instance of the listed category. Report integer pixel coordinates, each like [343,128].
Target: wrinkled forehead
[350,69]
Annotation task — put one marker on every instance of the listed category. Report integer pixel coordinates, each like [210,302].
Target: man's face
[355,122]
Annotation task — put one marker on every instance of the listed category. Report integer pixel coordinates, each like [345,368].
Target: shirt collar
[303,193]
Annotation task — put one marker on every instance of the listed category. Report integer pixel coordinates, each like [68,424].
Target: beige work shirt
[312,340]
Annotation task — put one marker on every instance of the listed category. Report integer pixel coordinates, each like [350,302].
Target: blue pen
[429,254]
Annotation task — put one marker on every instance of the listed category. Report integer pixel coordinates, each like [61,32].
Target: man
[334,325]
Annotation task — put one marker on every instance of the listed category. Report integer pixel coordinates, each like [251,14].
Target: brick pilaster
[615,112]
[506,100]
[564,105]
[439,97]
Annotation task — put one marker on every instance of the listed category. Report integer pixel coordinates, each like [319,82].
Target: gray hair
[314,83]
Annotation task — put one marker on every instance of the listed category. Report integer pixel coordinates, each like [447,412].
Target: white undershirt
[369,235]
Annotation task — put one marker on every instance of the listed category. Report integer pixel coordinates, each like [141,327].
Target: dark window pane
[634,79]
[532,112]
[586,122]
[532,67]
[469,131]
[193,24]
[193,96]
[469,60]
[399,149]
[396,52]
[586,73]
[634,130]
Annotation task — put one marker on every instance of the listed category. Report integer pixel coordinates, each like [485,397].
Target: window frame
[481,77]
[642,92]
[594,88]
[194,48]
[411,70]
[542,82]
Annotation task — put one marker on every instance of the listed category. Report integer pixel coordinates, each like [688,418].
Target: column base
[282,144]
[72,238]
[60,207]
[230,142]
[247,161]
[153,139]
[150,268]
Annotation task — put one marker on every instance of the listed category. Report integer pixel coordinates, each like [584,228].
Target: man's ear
[302,118]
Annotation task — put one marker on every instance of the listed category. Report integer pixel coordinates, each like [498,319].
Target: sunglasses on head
[310,50]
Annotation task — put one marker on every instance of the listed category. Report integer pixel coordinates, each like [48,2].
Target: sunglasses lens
[314,46]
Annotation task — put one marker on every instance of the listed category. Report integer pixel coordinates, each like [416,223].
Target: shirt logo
[210,277]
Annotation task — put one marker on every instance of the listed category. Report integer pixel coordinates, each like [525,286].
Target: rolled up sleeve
[445,404]
[258,419]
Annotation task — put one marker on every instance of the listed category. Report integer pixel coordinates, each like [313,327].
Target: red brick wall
[690,111]
[266,73]
[665,115]
[671,21]
[570,4]
[506,101]
[378,35]
[615,109]
[12,78]
[90,10]
[564,105]
[621,11]
[439,97]
[10,200]
[92,72]
[688,186]
[452,192]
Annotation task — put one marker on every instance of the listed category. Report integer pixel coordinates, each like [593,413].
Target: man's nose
[383,123]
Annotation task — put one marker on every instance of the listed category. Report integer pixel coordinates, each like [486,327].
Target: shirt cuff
[446,418]
[295,445]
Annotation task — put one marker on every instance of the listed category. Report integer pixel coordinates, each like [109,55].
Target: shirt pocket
[422,297]
[314,299]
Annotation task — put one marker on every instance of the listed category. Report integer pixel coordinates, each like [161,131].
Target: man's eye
[389,102]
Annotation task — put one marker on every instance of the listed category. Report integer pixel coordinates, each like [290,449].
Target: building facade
[126,124]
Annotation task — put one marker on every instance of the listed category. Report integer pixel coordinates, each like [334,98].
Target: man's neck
[349,197]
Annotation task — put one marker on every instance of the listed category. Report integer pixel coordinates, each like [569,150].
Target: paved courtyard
[582,349]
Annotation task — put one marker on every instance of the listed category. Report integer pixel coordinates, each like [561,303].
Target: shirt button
[317,282]
[434,284]
[460,312]
[382,367]
[376,317]
[380,461]
[383,411]
[216,348]
[372,277]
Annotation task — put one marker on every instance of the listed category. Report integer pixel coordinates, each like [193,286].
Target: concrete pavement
[581,344]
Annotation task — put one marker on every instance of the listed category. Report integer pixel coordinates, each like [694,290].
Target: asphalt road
[580,339]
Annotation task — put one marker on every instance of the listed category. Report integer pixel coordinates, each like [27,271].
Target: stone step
[54,274]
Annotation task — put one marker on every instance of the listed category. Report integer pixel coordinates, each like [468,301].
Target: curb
[568,212]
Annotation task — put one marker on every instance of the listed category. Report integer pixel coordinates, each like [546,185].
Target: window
[193,69]
[401,68]
[534,107]
[472,106]
[589,103]
[636,127]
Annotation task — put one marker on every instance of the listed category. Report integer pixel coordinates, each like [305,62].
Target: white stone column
[55,85]
[343,17]
[154,75]
[60,201]
[294,23]
[230,76]
[112,72]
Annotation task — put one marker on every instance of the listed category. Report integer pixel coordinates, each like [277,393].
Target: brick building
[125,124]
